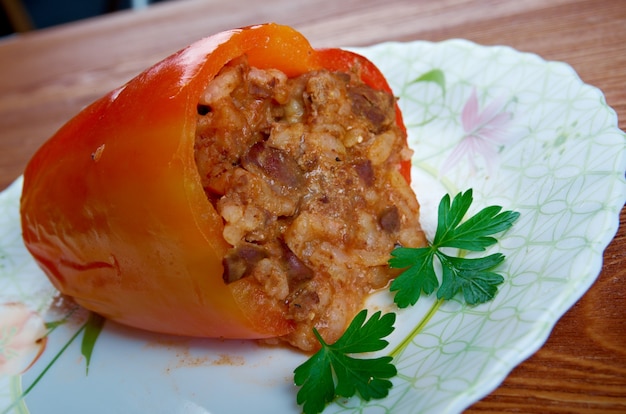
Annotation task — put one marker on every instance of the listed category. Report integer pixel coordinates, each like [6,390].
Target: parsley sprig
[471,276]
[333,372]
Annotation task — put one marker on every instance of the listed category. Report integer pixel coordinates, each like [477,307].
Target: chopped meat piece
[305,173]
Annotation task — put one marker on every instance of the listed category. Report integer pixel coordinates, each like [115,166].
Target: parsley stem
[319,337]
[416,330]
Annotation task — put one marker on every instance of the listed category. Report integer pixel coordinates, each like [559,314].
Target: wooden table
[47,76]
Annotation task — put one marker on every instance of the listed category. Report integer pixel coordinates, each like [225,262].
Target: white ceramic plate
[522,132]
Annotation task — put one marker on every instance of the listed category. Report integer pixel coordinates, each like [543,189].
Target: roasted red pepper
[112,205]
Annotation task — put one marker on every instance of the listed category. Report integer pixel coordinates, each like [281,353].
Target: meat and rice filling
[305,173]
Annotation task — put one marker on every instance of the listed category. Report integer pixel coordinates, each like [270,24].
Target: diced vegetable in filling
[305,172]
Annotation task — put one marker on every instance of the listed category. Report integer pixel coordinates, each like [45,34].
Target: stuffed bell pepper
[248,186]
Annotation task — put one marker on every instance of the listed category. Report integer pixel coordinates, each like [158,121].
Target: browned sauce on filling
[305,173]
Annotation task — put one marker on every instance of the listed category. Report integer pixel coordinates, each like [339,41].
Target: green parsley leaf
[333,372]
[474,233]
[471,276]
[419,274]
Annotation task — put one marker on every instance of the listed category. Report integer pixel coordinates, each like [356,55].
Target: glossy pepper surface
[112,206]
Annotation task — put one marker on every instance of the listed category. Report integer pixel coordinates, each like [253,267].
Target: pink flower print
[22,338]
[484,134]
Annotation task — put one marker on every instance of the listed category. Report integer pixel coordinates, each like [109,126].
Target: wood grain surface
[48,75]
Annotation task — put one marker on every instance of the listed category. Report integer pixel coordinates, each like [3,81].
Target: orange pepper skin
[112,207]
